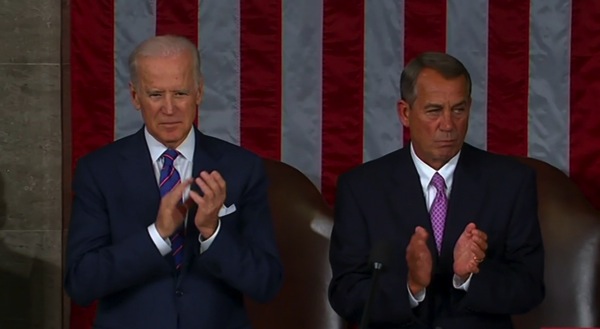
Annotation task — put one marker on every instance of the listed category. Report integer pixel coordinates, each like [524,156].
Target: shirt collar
[426,172]
[156,148]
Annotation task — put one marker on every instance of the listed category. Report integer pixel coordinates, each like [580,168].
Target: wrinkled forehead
[432,84]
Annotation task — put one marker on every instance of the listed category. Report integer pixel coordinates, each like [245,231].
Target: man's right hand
[418,259]
[172,210]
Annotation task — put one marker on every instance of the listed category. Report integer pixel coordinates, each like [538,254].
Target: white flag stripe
[302,86]
[301,144]
[135,21]
[219,43]
[549,81]
[384,49]
[467,39]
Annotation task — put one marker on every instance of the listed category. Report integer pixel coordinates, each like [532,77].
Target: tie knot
[438,182]
[169,156]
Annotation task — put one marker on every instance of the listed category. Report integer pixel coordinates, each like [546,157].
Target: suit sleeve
[97,266]
[514,283]
[244,254]
[352,276]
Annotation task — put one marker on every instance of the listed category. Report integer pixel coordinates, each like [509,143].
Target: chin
[171,138]
[446,154]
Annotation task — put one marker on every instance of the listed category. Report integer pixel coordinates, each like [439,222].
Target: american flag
[314,83]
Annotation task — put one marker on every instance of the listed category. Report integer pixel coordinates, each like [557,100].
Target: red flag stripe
[424,30]
[92,95]
[178,17]
[508,69]
[92,65]
[585,87]
[343,85]
[260,87]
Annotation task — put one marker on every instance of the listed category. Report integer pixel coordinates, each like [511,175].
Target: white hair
[164,46]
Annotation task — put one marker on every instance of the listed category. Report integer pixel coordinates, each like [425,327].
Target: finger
[209,180]
[466,234]
[481,234]
[182,207]
[473,266]
[481,243]
[204,205]
[478,255]
[413,242]
[176,194]
[189,202]
[215,182]
[469,228]
[196,198]
[477,260]
[219,180]
[206,189]
[421,233]
[418,242]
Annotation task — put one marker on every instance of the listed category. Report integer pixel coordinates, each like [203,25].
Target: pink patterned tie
[438,209]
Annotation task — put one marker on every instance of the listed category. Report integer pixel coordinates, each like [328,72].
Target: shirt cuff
[163,245]
[205,244]
[415,300]
[458,283]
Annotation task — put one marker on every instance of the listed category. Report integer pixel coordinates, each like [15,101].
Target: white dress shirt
[429,191]
[184,164]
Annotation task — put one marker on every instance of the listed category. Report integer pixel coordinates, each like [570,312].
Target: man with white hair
[170,227]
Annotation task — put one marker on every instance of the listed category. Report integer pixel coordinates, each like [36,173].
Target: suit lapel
[407,199]
[466,198]
[137,175]
[205,154]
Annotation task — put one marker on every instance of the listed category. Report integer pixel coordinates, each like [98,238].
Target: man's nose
[168,104]
[446,122]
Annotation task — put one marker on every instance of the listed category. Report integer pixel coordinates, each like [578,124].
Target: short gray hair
[164,45]
[446,65]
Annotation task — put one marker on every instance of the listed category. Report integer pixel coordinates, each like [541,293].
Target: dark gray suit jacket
[111,257]
[383,201]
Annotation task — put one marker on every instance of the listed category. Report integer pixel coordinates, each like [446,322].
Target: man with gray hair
[464,248]
[170,228]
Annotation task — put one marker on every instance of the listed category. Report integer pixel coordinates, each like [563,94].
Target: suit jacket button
[179,293]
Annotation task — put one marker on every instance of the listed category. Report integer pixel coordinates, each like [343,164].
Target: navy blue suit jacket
[383,201]
[111,257]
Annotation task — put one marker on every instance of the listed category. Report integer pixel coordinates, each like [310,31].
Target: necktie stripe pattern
[438,209]
[169,178]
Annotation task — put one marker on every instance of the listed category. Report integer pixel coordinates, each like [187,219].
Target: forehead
[432,83]
[170,70]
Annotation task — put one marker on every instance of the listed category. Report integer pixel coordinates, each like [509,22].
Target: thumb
[421,232]
[470,227]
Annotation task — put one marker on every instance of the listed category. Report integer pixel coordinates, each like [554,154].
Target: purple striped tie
[438,209]
[169,178]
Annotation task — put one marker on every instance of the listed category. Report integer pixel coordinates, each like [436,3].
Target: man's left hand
[215,189]
[469,251]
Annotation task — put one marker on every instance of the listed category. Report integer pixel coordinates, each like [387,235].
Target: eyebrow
[463,103]
[433,106]
[436,105]
[150,91]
